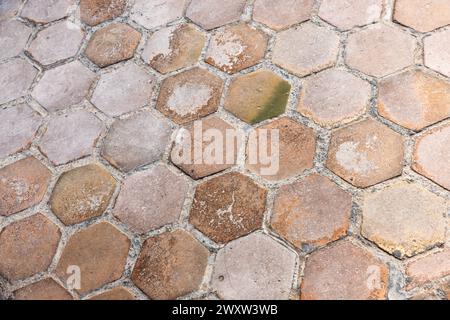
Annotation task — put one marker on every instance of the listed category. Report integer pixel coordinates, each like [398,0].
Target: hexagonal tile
[16,77]
[47,289]
[431,154]
[123,90]
[116,294]
[306,49]
[344,272]
[136,141]
[151,199]
[170,265]
[294,154]
[257,96]
[235,48]
[380,50]
[9,9]
[254,267]
[313,211]
[334,97]
[283,13]
[199,165]
[173,48]
[429,268]
[20,124]
[44,11]
[63,86]
[13,38]
[414,99]
[35,238]
[113,43]
[404,219]
[424,16]
[94,12]
[22,184]
[366,153]
[190,95]
[351,13]
[100,251]
[437,53]
[82,193]
[214,13]
[228,207]
[78,130]
[57,42]
[154,13]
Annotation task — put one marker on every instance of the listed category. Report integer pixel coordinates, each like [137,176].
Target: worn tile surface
[210,149]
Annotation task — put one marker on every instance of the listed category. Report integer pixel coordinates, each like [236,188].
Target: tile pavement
[94,95]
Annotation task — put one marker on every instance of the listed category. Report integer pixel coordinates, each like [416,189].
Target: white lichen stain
[226,50]
[352,160]
[161,44]
[188,98]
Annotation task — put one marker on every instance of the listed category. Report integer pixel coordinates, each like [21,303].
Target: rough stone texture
[22,185]
[47,289]
[344,271]
[366,153]
[437,52]
[257,96]
[9,8]
[64,86]
[235,48]
[100,251]
[116,294]
[94,12]
[333,97]
[123,90]
[313,211]
[215,13]
[414,99]
[113,43]
[380,50]
[43,11]
[206,162]
[190,95]
[306,49]
[424,16]
[136,141]
[429,268]
[170,265]
[151,199]
[431,156]
[351,13]
[173,48]
[57,42]
[296,150]
[13,37]
[404,219]
[35,238]
[254,267]
[18,129]
[16,76]
[155,13]
[283,13]
[228,207]
[82,193]
[70,137]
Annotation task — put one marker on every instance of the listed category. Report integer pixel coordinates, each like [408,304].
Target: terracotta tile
[9,8]
[257,96]
[44,11]
[47,289]
[35,238]
[190,95]
[422,16]
[170,265]
[283,13]
[228,207]
[429,268]
[214,13]
[154,13]
[13,37]
[100,251]
[313,211]
[94,12]
[22,184]
[16,77]
[437,53]
[82,193]
[404,219]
